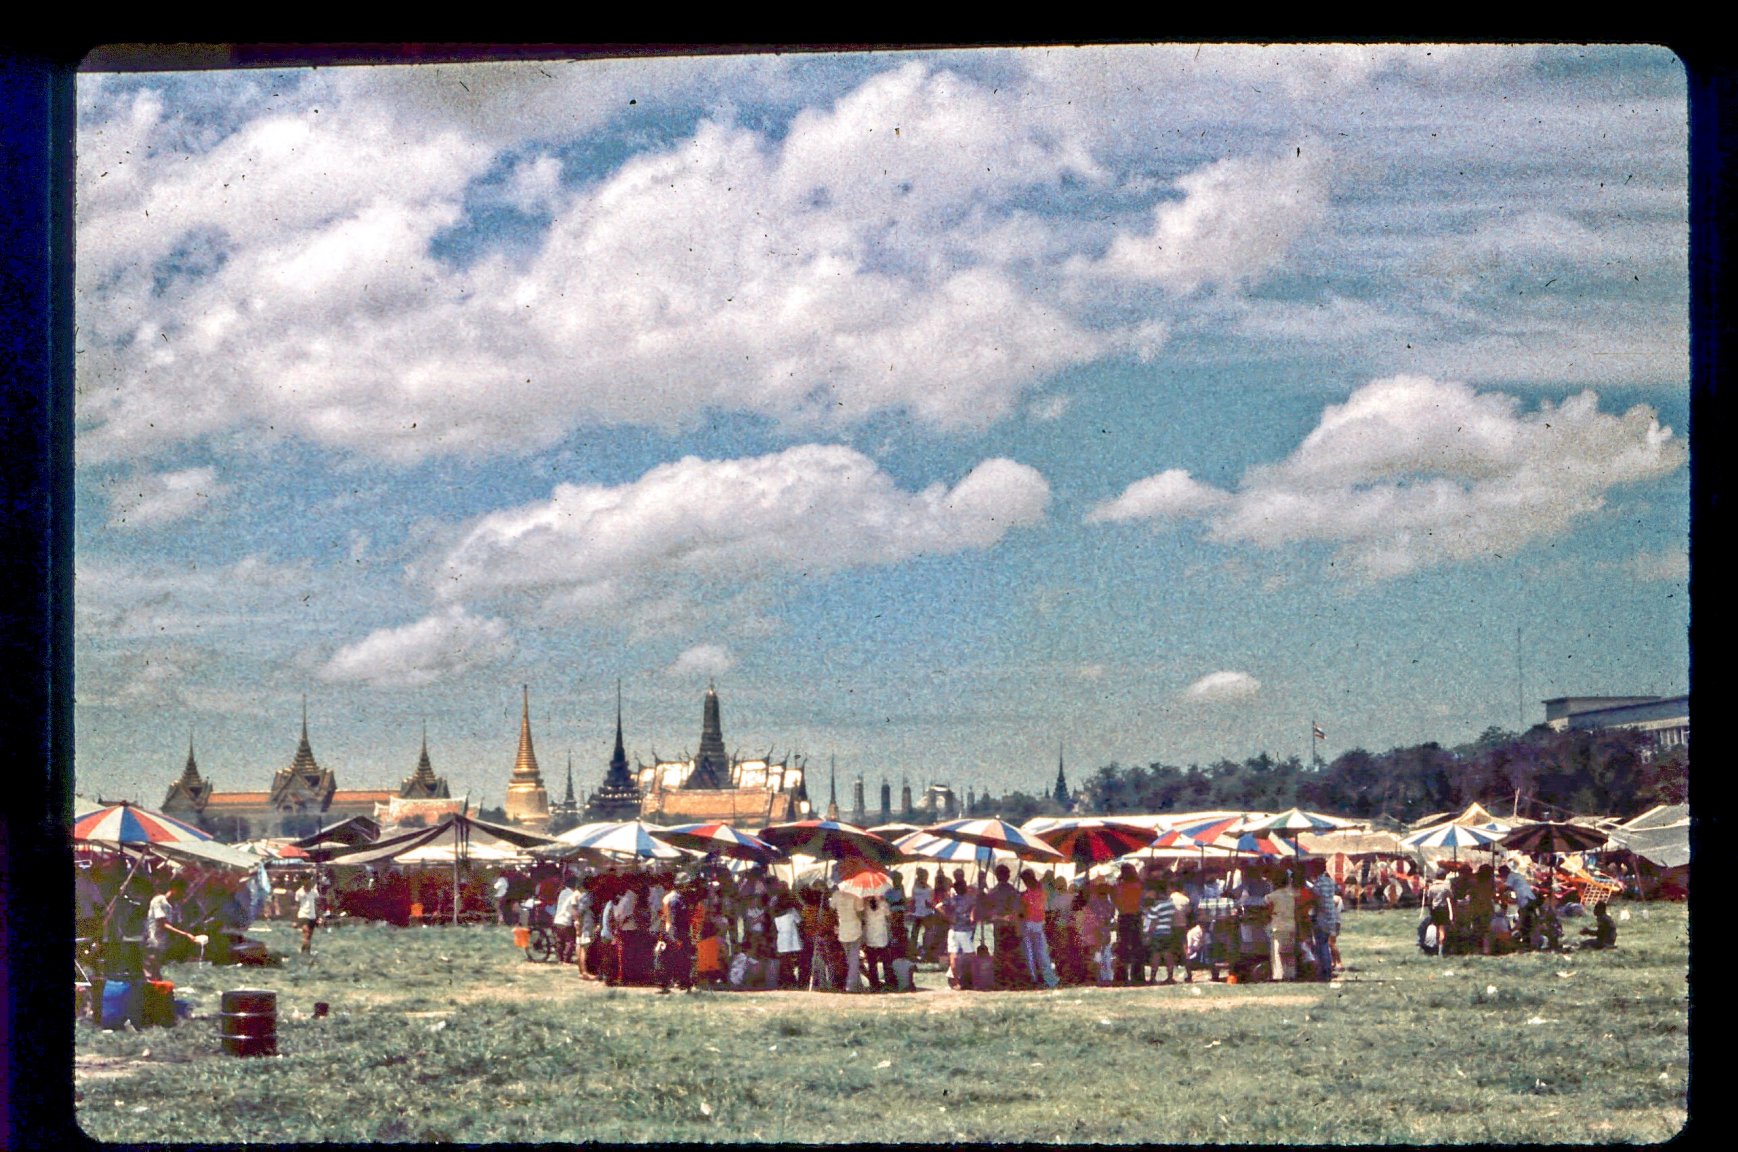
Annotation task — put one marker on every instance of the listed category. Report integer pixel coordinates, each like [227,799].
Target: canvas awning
[457,837]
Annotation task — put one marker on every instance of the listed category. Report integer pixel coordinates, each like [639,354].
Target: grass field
[441,1034]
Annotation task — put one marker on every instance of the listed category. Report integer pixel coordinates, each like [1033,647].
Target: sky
[949,410]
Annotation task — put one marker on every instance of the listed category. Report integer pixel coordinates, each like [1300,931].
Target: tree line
[1538,774]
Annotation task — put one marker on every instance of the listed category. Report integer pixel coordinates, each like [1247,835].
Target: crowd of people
[1498,909]
[1000,930]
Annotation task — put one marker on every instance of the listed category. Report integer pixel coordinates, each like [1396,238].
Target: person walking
[308,913]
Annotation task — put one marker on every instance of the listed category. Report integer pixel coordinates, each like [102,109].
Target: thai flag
[1316,731]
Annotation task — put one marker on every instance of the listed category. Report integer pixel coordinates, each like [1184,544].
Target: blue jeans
[1324,955]
[1037,950]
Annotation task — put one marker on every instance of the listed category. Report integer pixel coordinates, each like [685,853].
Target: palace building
[749,792]
[303,798]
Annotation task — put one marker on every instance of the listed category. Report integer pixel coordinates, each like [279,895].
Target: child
[1603,934]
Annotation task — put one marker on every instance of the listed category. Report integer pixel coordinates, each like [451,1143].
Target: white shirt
[156,917]
[308,904]
[850,912]
[875,925]
[790,938]
[565,905]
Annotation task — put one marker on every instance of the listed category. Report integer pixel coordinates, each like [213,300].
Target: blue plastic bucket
[123,1003]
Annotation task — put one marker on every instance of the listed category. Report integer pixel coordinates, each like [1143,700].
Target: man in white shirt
[159,922]
[307,913]
[566,907]
[877,938]
[849,910]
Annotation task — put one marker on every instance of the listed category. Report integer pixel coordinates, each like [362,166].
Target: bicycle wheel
[541,949]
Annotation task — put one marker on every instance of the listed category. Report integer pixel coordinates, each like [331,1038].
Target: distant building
[713,785]
[1665,718]
[618,797]
[566,813]
[303,798]
[1060,794]
[527,800]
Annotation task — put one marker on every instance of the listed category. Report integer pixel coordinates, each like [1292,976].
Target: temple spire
[304,763]
[527,801]
[832,787]
[190,773]
[568,799]
[712,763]
[525,765]
[1061,792]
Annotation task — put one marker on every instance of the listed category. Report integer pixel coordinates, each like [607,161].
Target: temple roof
[423,783]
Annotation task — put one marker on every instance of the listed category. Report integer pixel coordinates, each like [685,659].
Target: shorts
[959,941]
[304,922]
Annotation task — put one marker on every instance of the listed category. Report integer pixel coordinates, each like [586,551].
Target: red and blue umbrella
[998,834]
[829,839]
[1095,841]
[126,823]
[719,838]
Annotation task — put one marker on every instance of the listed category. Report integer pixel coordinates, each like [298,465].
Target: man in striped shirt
[1165,933]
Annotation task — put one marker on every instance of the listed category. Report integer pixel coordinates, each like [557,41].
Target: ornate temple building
[619,797]
[303,798]
[527,800]
[713,785]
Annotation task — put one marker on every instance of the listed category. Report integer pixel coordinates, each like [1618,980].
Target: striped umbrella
[830,839]
[630,839]
[998,834]
[1455,836]
[923,846]
[718,838]
[1095,841]
[1207,831]
[1549,837]
[1296,821]
[126,823]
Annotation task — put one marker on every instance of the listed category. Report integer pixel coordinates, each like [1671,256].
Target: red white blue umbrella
[630,839]
[129,824]
[718,838]
[1095,841]
[923,846]
[998,834]
[1451,836]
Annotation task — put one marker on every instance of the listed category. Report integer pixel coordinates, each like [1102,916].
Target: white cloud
[162,498]
[1169,495]
[1235,222]
[1222,687]
[436,647]
[702,660]
[1412,472]
[807,510]
[285,275]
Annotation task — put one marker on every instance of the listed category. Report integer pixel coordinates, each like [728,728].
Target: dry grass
[440,1034]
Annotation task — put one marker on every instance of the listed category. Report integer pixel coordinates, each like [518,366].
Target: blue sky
[945,407]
